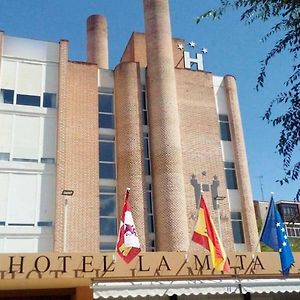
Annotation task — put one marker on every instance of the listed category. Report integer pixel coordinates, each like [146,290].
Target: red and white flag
[128,245]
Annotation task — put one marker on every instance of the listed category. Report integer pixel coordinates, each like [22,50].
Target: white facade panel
[30,49]
[51,78]
[8,74]
[26,138]
[30,79]
[234,200]
[227,151]
[6,122]
[48,137]
[22,199]
[45,244]
[47,198]
[220,95]
[19,244]
[106,78]
[4,183]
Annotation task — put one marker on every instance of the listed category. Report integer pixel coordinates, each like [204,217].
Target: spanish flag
[128,245]
[205,234]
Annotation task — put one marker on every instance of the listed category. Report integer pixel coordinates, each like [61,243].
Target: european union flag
[274,236]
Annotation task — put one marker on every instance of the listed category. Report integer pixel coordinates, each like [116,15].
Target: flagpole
[114,257]
[197,214]
[262,228]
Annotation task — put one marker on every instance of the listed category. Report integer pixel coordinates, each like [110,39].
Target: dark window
[144,108]
[107,247]
[107,171]
[106,111]
[108,226]
[46,160]
[237,228]
[108,213]
[106,103]
[25,160]
[107,157]
[6,96]
[147,164]
[28,100]
[44,223]
[231,180]
[224,128]
[107,151]
[49,100]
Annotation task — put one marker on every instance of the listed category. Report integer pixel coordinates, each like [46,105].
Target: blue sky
[233,48]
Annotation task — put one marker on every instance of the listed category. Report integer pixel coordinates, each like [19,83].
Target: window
[28,100]
[237,228]
[49,100]
[230,176]
[4,156]
[107,157]
[150,208]
[150,215]
[144,108]
[46,160]
[25,160]
[147,165]
[224,128]
[106,110]
[293,231]
[44,223]
[108,213]
[6,96]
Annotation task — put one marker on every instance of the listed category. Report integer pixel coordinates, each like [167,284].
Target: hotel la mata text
[163,265]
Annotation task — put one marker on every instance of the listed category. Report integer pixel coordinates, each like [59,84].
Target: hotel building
[75,135]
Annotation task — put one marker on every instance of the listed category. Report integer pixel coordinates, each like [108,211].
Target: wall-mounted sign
[189,61]
[148,265]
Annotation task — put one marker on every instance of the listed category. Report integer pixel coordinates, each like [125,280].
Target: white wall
[27,188]
[233,196]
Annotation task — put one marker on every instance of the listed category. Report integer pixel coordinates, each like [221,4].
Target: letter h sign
[189,62]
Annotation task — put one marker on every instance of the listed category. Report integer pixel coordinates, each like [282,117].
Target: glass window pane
[229,164]
[146,149]
[225,131]
[106,151]
[28,100]
[149,202]
[49,100]
[106,121]
[223,118]
[107,189]
[106,103]
[150,224]
[6,96]
[4,156]
[107,171]
[107,205]
[107,247]
[238,234]
[147,167]
[108,226]
[231,179]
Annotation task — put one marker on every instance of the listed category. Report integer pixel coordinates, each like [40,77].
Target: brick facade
[77,155]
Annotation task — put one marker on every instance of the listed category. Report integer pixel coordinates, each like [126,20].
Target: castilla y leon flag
[128,245]
[205,234]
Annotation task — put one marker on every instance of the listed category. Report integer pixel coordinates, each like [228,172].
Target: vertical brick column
[97,45]
[241,164]
[129,144]
[77,155]
[166,153]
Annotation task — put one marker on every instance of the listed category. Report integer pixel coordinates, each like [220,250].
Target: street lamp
[66,194]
